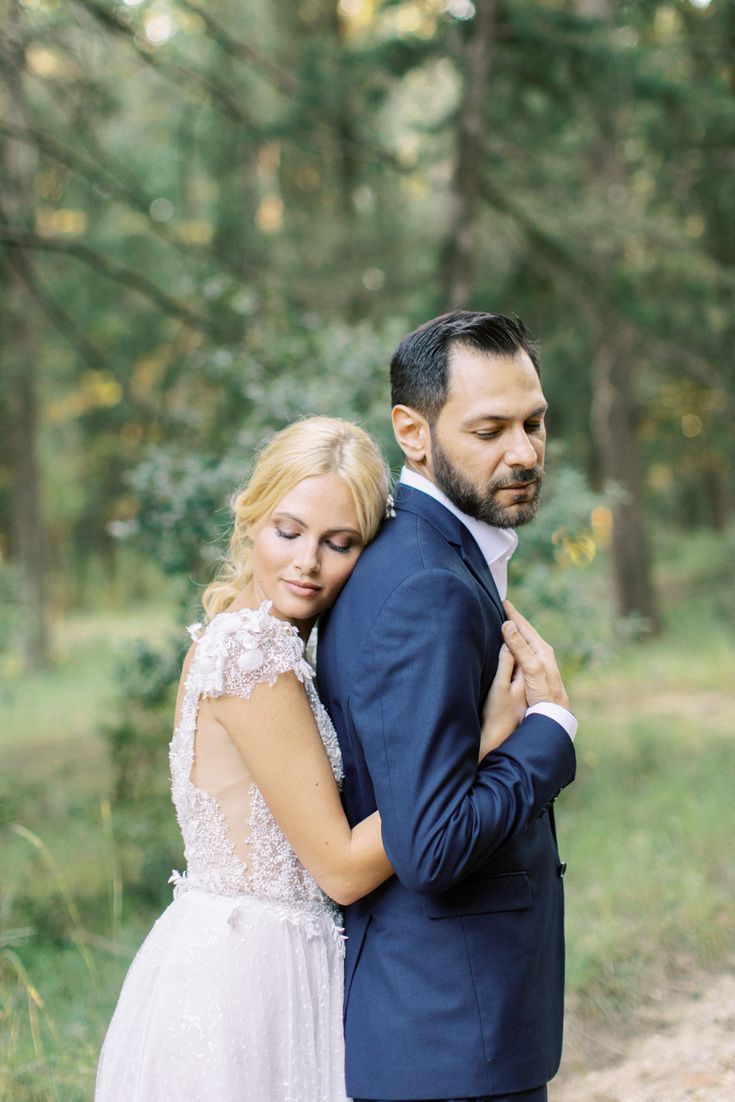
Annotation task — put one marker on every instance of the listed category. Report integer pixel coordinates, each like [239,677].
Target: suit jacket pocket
[507,891]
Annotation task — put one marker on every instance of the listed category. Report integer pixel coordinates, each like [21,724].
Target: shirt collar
[496,544]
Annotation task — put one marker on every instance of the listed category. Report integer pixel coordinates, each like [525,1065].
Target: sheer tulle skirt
[230,998]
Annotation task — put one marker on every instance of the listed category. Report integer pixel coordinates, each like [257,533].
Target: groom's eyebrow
[479,418]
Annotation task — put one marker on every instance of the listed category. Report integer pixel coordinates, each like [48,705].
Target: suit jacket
[454,967]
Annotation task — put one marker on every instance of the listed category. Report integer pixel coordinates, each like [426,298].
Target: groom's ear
[412,433]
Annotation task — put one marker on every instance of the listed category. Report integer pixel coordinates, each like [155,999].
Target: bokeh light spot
[691,424]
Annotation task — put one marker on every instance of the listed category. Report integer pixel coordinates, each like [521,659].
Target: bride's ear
[412,433]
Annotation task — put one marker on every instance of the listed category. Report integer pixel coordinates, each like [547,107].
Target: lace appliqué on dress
[234,653]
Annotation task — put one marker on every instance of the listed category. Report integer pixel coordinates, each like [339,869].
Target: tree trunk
[614,410]
[461,251]
[615,430]
[20,363]
[28,527]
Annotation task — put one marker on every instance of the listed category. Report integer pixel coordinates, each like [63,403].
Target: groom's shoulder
[414,539]
[408,559]
[405,546]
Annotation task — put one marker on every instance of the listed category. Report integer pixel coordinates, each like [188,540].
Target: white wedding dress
[236,994]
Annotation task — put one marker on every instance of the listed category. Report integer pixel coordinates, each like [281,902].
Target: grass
[647,827]
[66,703]
[646,831]
[67,929]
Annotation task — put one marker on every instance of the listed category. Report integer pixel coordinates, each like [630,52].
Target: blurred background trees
[217,217]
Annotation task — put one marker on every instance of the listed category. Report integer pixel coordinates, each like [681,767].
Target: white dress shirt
[497,545]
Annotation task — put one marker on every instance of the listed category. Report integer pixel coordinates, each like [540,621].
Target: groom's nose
[520,451]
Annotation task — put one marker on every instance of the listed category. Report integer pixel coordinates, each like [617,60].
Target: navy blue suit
[454,968]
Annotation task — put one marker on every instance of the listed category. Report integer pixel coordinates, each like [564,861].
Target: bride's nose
[307,559]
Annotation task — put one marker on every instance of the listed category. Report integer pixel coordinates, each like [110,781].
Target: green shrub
[559,577]
[146,832]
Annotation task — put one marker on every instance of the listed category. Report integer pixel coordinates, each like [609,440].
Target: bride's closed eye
[342,548]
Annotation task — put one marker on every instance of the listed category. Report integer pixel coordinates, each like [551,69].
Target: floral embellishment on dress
[242,639]
[251,659]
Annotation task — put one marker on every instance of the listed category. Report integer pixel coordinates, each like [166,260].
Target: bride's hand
[505,706]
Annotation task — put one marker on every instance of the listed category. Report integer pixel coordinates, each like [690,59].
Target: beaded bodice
[240,850]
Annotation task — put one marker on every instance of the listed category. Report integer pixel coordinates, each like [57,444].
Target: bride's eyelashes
[342,549]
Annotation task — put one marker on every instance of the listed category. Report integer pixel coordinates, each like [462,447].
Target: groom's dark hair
[419,370]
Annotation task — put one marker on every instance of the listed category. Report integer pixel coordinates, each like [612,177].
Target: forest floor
[678,1042]
[681,1048]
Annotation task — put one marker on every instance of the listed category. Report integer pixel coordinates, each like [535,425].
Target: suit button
[562,868]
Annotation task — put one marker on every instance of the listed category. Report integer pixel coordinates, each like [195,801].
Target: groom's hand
[536,659]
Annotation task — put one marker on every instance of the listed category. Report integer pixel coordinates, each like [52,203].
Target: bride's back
[232,843]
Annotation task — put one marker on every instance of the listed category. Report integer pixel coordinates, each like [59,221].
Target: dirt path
[683,1051]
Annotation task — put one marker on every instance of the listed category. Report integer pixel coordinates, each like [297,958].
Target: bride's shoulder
[239,649]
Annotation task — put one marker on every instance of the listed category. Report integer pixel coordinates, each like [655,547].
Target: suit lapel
[454,531]
[475,562]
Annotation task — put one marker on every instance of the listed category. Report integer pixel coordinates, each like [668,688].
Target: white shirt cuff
[562,716]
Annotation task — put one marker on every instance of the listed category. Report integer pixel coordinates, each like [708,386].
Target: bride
[236,993]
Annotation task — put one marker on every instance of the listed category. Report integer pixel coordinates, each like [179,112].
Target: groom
[454,969]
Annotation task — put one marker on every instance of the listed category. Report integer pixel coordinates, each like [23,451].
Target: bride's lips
[301,589]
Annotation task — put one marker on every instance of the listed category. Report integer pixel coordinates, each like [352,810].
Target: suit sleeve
[417,718]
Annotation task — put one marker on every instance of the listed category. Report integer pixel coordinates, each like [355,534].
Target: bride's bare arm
[277,736]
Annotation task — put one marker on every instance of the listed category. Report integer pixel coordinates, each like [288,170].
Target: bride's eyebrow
[280,515]
[303,524]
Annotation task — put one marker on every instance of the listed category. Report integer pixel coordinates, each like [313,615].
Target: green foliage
[145,680]
[181,507]
[558,576]
[182,494]
[137,740]
[697,568]
[222,233]
[10,622]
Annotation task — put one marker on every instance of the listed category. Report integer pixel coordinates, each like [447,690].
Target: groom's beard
[486,507]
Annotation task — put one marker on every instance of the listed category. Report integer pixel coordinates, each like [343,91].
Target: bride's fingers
[518,696]
[506,665]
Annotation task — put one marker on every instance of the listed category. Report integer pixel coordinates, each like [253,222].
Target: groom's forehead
[474,374]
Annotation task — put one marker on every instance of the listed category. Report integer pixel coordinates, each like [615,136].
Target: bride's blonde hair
[308,448]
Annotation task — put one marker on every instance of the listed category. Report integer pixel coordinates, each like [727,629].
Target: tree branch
[181,75]
[584,283]
[17,237]
[279,78]
[96,173]
[169,70]
[67,327]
